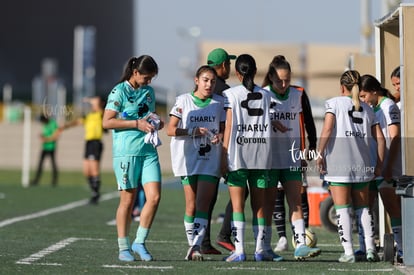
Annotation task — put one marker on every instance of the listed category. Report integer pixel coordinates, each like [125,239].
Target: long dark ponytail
[144,64]
[246,66]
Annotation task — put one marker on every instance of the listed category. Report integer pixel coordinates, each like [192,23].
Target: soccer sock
[259,233]
[367,221]
[238,228]
[189,227]
[200,225]
[305,208]
[397,231]
[279,214]
[225,231]
[123,243]
[344,222]
[142,234]
[268,238]
[361,238]
[298,228]
[95,184]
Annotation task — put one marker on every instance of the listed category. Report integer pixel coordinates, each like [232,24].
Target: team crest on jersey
[149,98]
[179,110]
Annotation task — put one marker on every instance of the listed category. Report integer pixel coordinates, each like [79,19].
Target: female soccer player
[388,115]
[129,112]
[349,129]
[395,80]
[196,126]
[247,154]
[286,166]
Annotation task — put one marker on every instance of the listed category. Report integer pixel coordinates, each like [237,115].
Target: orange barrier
[315,196]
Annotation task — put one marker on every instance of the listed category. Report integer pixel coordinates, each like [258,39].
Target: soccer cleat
[267,256]
[302,252]
[282,244]
[234,257]
[209,249]
[126,256]
[400,259]
[142,251]
[360,255]
[193,254]
[346,258]
[225,243]
[372,256]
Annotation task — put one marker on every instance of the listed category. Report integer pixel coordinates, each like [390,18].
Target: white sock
[397,231]
[238,228]
[260,237]
[268,238]
[298,227]
[361,238]
[189,227]
[366,220]
[344,222]
[199,231]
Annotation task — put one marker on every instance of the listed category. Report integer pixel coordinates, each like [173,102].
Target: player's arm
[395,144]
[380,139]
[309,121]
[327,128]
[110,120]
[226,140]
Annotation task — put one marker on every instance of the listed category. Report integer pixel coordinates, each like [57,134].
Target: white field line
[139,266]
[51,249]
[361,270]
[54,210]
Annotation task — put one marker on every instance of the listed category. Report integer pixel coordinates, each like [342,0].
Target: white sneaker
[282,245]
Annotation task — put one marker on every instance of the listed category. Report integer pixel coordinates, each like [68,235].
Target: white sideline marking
[58,209]
[53,248]
[139,266]
[252,268]
[360,270]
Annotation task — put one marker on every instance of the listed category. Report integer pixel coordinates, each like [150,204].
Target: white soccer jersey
[348,157]
[388,113]
[197,156]
[249,146]
[287,145]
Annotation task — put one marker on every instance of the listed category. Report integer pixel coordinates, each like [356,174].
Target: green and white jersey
[131,104]
[348,157]
[388,113]
[250,144]
[48,130]
[197,155]
[287,145]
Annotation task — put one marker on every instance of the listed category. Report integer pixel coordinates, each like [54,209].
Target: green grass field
[52,230]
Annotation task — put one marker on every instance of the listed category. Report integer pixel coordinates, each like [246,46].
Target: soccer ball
[311,240]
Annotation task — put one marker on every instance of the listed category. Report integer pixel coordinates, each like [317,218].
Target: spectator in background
[49,136]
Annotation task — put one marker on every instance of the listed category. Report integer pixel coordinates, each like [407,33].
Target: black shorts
[93,150]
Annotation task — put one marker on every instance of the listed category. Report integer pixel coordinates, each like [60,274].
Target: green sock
[142,234]
[123,243]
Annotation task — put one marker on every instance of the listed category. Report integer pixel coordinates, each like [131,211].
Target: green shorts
[193,179]
[132,171]
[254,177]
[354,185]
[285,175]
[373,185]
